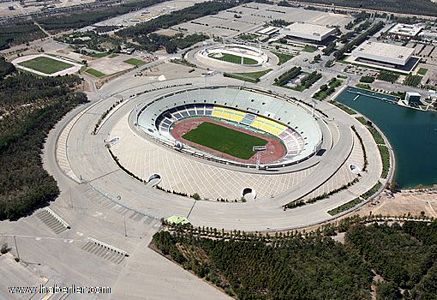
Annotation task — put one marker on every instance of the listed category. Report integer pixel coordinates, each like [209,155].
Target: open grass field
[45,65]
[251,77]
[235,59]
[422,71]
[94,72]
[135,62]
[223,139]
[309,48]
[283,57]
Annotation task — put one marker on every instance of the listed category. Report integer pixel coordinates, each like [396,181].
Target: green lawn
[95,72]
[309,48]
[388,76]
[251,77]
[363,86]
[385,157]
[372,191]
[422,71]
[362,120]
[135,62]
[344,207]
[248,37]
[343,107]
[235,59]
[98,54]
[376,135]
[327,89]
[225,140]
[283,57]
[45,65]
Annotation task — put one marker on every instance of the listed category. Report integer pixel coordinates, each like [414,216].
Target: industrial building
[387,56]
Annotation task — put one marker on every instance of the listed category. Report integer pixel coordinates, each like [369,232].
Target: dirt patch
[275,148]
[412,202]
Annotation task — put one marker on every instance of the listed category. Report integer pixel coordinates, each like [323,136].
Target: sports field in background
[235,59]
[135,62]
[95,73]
[45,65]
[223,139]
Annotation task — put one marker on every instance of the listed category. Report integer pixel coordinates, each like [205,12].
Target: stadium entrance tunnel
[248,194]
[153,180]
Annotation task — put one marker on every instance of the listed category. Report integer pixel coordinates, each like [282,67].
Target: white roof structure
[414,94]
[409,30]
[385,53]
[308,31]
[268,30]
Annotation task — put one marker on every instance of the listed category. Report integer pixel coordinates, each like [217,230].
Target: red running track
[275,148]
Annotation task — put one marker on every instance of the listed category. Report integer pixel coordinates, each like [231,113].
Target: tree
[4,248]
[387,291]
[394,187]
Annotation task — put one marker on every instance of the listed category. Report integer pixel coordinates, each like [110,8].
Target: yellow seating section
[268,126]
[261,123]
[228,114]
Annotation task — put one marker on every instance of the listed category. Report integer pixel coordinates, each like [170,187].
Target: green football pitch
[235,59]
[226,140]
[45,65]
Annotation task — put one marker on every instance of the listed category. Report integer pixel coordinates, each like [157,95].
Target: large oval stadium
[244,150]
[233,125]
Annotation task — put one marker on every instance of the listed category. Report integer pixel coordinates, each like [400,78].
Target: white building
[268,31]
[306,31]
[406,30]
[413,98]
[383,53]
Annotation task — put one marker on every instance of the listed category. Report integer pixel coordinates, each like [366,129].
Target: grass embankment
[94,72]
[251,76]
[283,57]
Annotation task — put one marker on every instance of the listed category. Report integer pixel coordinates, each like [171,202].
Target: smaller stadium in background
[235,54]
[233,125]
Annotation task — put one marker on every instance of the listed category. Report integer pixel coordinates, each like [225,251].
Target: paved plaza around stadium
[87,161]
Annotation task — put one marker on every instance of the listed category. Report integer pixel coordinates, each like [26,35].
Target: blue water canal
[412,134]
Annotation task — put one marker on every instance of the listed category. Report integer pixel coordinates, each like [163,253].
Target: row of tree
[358,40]
[284,78]
[92,15]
